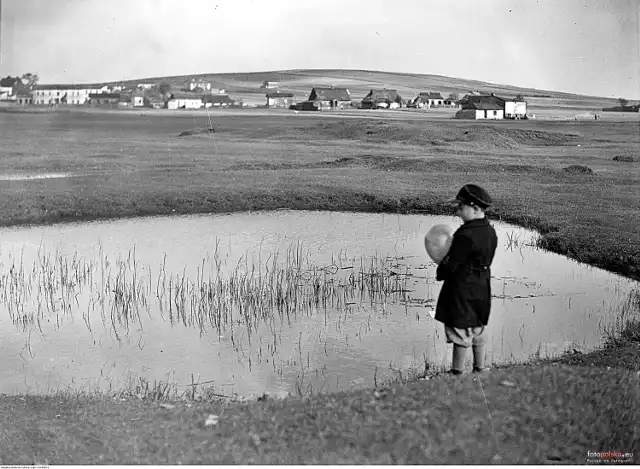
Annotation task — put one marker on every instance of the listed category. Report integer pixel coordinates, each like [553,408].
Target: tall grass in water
[626,325]
[220,297]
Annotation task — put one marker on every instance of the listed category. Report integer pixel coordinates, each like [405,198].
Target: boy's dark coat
[465,298]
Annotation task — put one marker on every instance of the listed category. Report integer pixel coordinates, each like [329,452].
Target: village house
[428,100]
[184,101]
[329,98]
[24,98]
[197,85]
[511,108]
[145,86]
[481,110]
[137,98]
[386,99]
[6,93]
[515,109]
[448,102]
[218,100]
[102,99]
[154,102]
[269,85]
[65,94]
[279,99]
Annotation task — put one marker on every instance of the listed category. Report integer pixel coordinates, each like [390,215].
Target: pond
[282,301]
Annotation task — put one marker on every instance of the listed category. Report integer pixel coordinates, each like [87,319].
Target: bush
[627,158]
[579,169]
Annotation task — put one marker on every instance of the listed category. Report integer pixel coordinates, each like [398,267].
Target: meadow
[556,176]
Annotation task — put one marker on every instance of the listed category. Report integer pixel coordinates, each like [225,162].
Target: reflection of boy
[464,302]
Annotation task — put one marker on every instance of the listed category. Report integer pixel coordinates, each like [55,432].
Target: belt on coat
[479,268]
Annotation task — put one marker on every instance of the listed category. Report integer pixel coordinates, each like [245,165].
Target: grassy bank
[127,165]
[553,412]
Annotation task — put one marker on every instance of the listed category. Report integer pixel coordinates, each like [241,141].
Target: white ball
[437,242]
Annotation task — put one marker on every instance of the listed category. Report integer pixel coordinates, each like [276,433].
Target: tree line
[23,83]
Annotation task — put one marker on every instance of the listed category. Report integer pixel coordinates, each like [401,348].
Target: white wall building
[65,94]
[515,109]
[184,103]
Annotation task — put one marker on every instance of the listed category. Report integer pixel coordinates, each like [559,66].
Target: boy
[464,302]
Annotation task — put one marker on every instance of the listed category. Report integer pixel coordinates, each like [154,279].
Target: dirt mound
[489,138]
[482,136]
[579,169]
[189,132]
[627,158]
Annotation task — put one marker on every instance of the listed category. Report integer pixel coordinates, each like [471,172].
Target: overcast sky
[588,46]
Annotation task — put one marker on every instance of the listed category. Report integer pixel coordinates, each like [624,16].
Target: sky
[587,47]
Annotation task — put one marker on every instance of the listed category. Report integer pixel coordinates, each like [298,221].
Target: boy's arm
[457,256]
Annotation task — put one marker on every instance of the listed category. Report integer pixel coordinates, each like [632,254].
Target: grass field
[555,176]
[126,164]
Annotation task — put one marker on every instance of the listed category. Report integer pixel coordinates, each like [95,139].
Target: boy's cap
[472,194]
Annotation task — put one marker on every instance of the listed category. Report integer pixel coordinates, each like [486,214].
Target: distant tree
[164,88]
[519,97]
[9,81]
[30,79]
[453,97]
[623,102]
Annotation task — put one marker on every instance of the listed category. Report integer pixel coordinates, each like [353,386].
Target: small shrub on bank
[627,158]
[579,169]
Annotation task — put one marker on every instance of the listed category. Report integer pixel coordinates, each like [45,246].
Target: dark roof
[487,99]
[68,87]
[104,95]
[186,96]
[320,93]
[483,106]
[279,94]
[382,95]
[218,98]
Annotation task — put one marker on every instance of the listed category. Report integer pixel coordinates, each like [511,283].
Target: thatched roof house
[428,99]
[330,97]
[382,98]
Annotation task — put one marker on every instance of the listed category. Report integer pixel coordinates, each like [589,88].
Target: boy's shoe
[484,369]
[455,372]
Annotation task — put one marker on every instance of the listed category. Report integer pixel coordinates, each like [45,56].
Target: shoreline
[548,239]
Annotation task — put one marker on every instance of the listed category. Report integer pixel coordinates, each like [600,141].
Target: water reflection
[268,301]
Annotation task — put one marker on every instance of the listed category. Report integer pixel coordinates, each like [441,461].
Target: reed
[278,290]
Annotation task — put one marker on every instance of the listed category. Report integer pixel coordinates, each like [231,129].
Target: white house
[428,100]
[269,85]
[65,94]
[137,98]
[195,84]
[481,111]
[515,109]
[184,102]
[6,93]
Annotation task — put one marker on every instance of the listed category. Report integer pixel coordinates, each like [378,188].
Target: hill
[246,86]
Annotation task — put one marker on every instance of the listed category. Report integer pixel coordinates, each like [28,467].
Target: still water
[269,302]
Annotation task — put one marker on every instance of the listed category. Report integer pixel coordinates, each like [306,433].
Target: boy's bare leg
[457,365]
[478,358]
